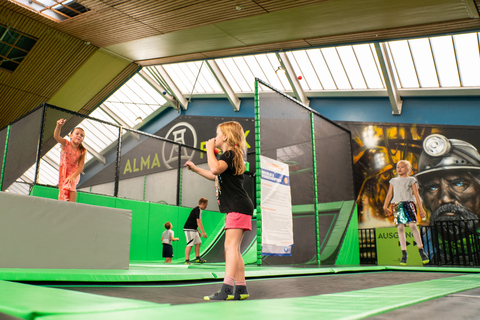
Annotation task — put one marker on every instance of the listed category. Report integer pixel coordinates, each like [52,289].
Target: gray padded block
[50,234]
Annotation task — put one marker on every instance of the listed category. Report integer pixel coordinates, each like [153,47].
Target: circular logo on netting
[183,133]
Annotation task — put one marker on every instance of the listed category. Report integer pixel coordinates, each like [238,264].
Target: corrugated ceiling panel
[52,61]
[263,48]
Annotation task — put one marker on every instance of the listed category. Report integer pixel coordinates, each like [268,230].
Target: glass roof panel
[321,69]
[402,59]
[424,64]
[49,174]
[336,68]
[350,63]
[367,60]
[445,61]
[302,65]
[183,82]
[147,93]
[232,74]
[281,82]
[191,71]
[121,95]
[296,68]
[209,81]
[255,68]
[265,63]
[468,59]
[245,78]
[129,94]
[193,77]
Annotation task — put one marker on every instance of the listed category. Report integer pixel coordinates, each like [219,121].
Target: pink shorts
[236,220]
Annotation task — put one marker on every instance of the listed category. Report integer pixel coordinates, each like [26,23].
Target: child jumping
[227,172]
[404,190]
[72,160]
[167,238]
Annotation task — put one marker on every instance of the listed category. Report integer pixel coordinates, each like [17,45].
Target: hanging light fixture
[280,71]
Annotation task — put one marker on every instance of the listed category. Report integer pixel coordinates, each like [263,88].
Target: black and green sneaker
[200,260]
[241,293]
[403,261]
[424,256]
[225,293]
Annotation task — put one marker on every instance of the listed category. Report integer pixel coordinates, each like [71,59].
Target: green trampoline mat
[346,305]
[29,302]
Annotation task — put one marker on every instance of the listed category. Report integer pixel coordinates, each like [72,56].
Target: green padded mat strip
[28,302]
[346,305]
[434,268]
[158,271]
[134,274]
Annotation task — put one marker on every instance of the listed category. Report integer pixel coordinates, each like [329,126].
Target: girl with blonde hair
[233,200]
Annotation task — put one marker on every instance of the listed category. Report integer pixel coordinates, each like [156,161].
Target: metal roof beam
[94,153]
[292,79]
[118,119]
[51,162]
[171,102]
[222,81]
[175,91]
[387,71]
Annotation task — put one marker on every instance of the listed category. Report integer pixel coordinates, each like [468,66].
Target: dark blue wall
[444,110]
[437,110]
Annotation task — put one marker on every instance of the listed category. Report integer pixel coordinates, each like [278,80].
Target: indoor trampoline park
[337,102]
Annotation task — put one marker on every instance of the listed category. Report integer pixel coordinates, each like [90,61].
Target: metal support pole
[117,165]
[4,157]
[258,175]
[315,189]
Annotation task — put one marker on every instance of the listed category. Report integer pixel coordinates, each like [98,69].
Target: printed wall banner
[276,208]
[142,155]
[389,252]
[445,161]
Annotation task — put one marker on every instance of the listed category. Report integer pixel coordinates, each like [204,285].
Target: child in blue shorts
[167,238]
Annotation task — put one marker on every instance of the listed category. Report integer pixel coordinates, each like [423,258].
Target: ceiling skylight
[57,10]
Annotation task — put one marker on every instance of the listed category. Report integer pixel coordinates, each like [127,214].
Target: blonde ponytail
[236,141]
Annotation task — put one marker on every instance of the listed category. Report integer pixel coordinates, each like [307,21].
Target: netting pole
[315,189]
[179,176]
[39,146]
[117,165]
[144,186]
[4,157]
[258,182]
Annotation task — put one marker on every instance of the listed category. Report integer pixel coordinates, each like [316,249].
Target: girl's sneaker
[225,293]
[424,256]
[403,261]
[241,293]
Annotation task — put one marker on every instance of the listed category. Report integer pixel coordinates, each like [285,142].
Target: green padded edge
[144,271]
[28,302]
[136,273]
[349,253]
[434,269]
[339,230]
[345,305]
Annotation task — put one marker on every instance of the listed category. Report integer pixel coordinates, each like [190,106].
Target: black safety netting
[22,151]
[101,141]
[193,185]
[285,136]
